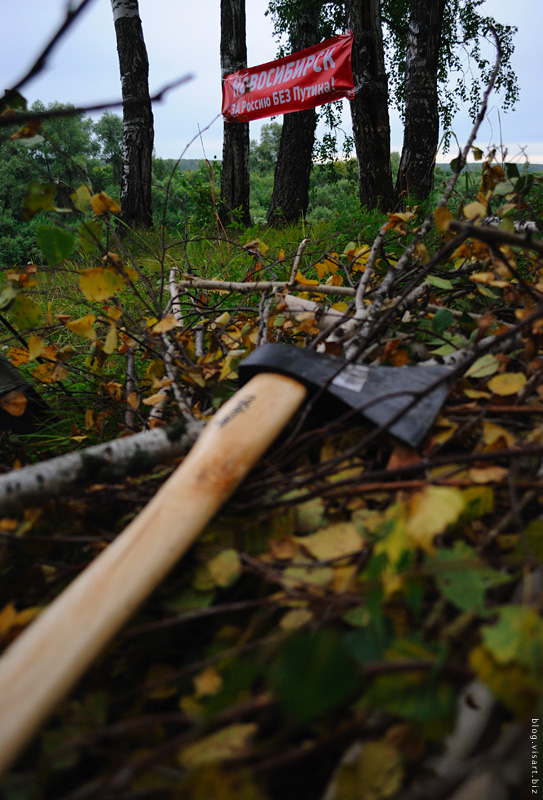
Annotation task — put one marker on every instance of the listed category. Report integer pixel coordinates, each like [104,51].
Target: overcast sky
[182,36]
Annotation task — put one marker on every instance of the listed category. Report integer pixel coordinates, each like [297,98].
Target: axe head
[405,400]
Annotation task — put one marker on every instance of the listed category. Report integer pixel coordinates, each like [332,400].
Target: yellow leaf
[358,256]
[154,399]
[114,390]
[421,252]
[50,373]
[475,394]
[14,403]
[304,577]
[495,437]
[398,221]
[227,743]
[114,313]
[81,198]
[84,326]
[226,370]
[102,202]
[368,771]
[511,683]
[256,246]
[295,618]
[133,400]
[223,319]
[11,620]
[167,323]
[507,383]
[431,511]
[396,541]
[111,340]
[159,679]
[483,277]
[35,347]
[326,267]
[100,283]
[225,568]
[207,683]
[442,218]
[18,356]
[474,210]
[305,281]
[336,541]
[487,474]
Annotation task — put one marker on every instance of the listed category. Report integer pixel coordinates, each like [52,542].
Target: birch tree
[290,197]
[235,187]
[138,130]
[421,131]
[369,108]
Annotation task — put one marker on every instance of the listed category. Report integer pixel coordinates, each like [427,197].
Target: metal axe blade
[405,400]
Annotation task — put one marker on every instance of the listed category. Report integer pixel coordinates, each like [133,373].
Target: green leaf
[367,644]
[38,197]
[516,637]
[503,188]
[25,313]
[419,696]
[55,243]
[512,170]
[462,578]
[439,283]
[441,321]
[479,500]
[456,164]
[90,236]
[483,367]
[313,674]
[533,537]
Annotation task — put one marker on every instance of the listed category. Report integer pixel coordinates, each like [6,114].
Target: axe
[46,660]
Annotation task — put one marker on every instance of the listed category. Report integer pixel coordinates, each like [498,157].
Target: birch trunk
[369,108]
[138,131]
[290,197]
[421,134]
[235,185]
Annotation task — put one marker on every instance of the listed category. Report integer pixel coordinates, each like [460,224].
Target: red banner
[312,77]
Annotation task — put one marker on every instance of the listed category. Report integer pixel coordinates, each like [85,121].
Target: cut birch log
[110,461]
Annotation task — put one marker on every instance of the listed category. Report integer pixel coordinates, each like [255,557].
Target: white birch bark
[111,461]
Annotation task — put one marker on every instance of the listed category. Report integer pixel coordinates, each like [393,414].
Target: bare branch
[74,111]
[40,62]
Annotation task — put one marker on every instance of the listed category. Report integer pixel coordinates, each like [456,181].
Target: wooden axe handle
[46,660]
